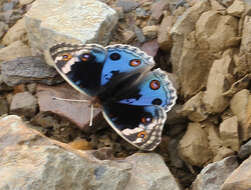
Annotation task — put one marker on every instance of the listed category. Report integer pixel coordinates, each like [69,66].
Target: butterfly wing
[154,88]
[139,125]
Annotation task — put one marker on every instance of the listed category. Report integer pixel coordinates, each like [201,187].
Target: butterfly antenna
[91,116]
[69,100]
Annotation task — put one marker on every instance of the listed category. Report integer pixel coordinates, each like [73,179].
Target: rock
[20,49]
[139,34]
[229,133]
[25,2]
[194,147]
[183,26]
[241,106]
[237,8]
[209,33]
[245,150]
[216,6]
[150,47]
[28,70]
[216,144]
[213,175]
[174,116]
[128,36]
[76,112]
[150,32]
[39,159]
[150,173]
[240,178]
[4,108]
[157,9]
[49,22]
[217,84]
[10,17]
[164,36]
[194,108]
[246,40]
[16,33]
[3,28]
[127,5]
[80,144]
[226,3]
[24,103]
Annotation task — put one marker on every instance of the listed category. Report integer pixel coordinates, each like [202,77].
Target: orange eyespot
[146,120]
[66,57]
[142,135]
[135,62]
[154,84]
[85,57]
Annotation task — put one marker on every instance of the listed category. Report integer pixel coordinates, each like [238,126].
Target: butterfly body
[134,98]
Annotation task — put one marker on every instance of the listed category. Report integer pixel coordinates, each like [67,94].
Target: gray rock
[28,70]
[214,174]
[127,5]
[32,161]
[84,21]
[149,172]
[139,34]
[23,103]
[3,28]
[245,150]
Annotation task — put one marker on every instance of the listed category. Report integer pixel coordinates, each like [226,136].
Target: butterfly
[134,97]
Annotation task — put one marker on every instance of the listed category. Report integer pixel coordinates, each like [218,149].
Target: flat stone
[240,105]
[31,161]
[194,108]
[217,84]
[20,49]
[76,112]
[49,22]
[23,103]
[240,178]
[16,33]
[27,70]
[229,133]
[127,5]
[157,9]
[237,8]
[245,150]
[194,147]
[213,175]
[150,173]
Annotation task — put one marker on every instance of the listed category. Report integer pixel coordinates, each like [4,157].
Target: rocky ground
[205,45]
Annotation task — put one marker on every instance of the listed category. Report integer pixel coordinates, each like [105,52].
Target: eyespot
[154,84]
[157,101]
[85,57]
[142,135]
[146,119]
[135,62]
[115,56]
[66,57]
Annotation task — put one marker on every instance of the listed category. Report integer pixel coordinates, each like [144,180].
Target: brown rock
[20,49]
[229,133]
[216,5]
[209,33]
[157,10]
[237,8]
[150,47]
[240,178]
[217,84]
[164,36]
[183,26]
[77,112]
[194,108]
[16,33]
[194,147]
[3,106]
[24,103]
[128,36]
[241,107]
[213,175]
[80,144]
[150,32]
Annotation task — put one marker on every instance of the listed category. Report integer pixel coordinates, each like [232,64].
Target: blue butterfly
[134,98]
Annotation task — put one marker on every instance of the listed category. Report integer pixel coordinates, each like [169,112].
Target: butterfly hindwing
[153,89]
[139,125]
